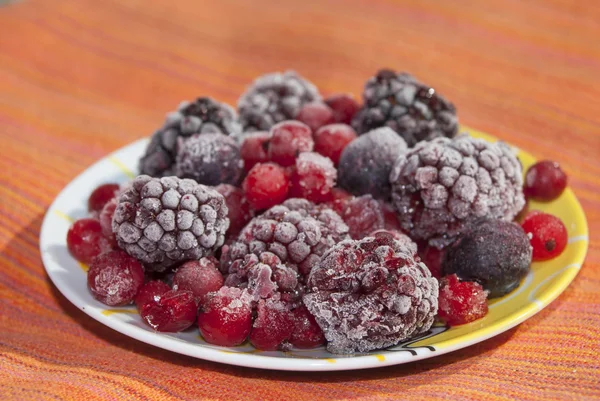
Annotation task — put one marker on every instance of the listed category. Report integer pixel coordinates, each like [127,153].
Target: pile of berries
[301,221]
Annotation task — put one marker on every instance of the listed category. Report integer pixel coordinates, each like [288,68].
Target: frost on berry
[225,317]
[171,311]
[114,278]
[288,140]
[86,240]
[313,178]
[362,214]
[272,326]
[199,277]
[254,149]
[461,302]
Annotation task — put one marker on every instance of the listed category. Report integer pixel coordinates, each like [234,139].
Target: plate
[541,286]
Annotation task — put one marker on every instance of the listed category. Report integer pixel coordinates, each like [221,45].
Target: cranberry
[313,178]
[331,140]
[362,215]
[100,197]
[239,210]
[150,292]
[544,181]
[105,217]
[272,326]
[315,115]
[114,278]
[255,148]
[226,317]
[171,311]
[344,107]
[461,302]
[198,276]
[547,235]
[265,185]
[85,240]
[306,333]
[432,257]
[288,140]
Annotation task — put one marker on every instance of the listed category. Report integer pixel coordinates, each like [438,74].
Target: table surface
[81,79]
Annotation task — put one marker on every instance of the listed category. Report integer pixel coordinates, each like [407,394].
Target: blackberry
[209,159]
[412,109]
[492,252]
[203,116]
[370,294]
[273,98]
[441,186]
[165,221]
[366,162]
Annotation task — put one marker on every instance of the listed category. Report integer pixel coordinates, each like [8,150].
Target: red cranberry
[239,210]
[225,318]
[362,215]
[314,178]
[288,140]
[265,185]
[172,311]
[432,257]
[114,278]
[105,217]
[344,107]
[331,140]
[85,240]
[272,326]
[306,333]
[547,235]
[100,196]
[150,292]
[198,276]
[544,181]
[315,115]
[461,302]
[255,148]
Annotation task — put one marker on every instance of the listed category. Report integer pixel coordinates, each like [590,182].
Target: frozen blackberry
[492,252]
[366,163]
[204,116]
[441,186]
[273,98]
[209,159]
[370,294]
[414,110]
[165,221]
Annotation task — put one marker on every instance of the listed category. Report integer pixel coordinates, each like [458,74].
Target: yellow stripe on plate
[108,312]
[64,216]
[121,166]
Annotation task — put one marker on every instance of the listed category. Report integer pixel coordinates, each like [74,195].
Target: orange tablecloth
[79,79]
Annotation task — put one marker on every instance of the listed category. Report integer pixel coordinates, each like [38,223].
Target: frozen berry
[239,209]
[547,235]
[265,185]
[315,115]
[492,252]
[306,332]
[331,140]
[255,148]
[344,107]
[339,194]
[172,311]
[403,239]
[85,240]
[366,163]
[545,181]
[362,214]
[272,326]
[114,278]
[370,294]
[100,197]
[198,276]
[225,317]
[432,257]
[288,140]
[150,292]
[313,178]
[390,217]
[105,217]
[461,302]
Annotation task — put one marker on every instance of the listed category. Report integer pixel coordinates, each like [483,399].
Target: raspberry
[273,98]
[150,292]
[547,235]
[238,207]
[225,317]
[101,196]
[344,107]
[545,181]
[370,294]
[265,185]
[199,277]
[114,278]
[461,302]
[442,186]
[255,148]
[366,163]
[209,159]
[413,110]
[306,332]
[314,177]
[332,139]
[171,311]
[165,221]
[288,140]
[363,215]
[315,115]
[85,240]
[272,326]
